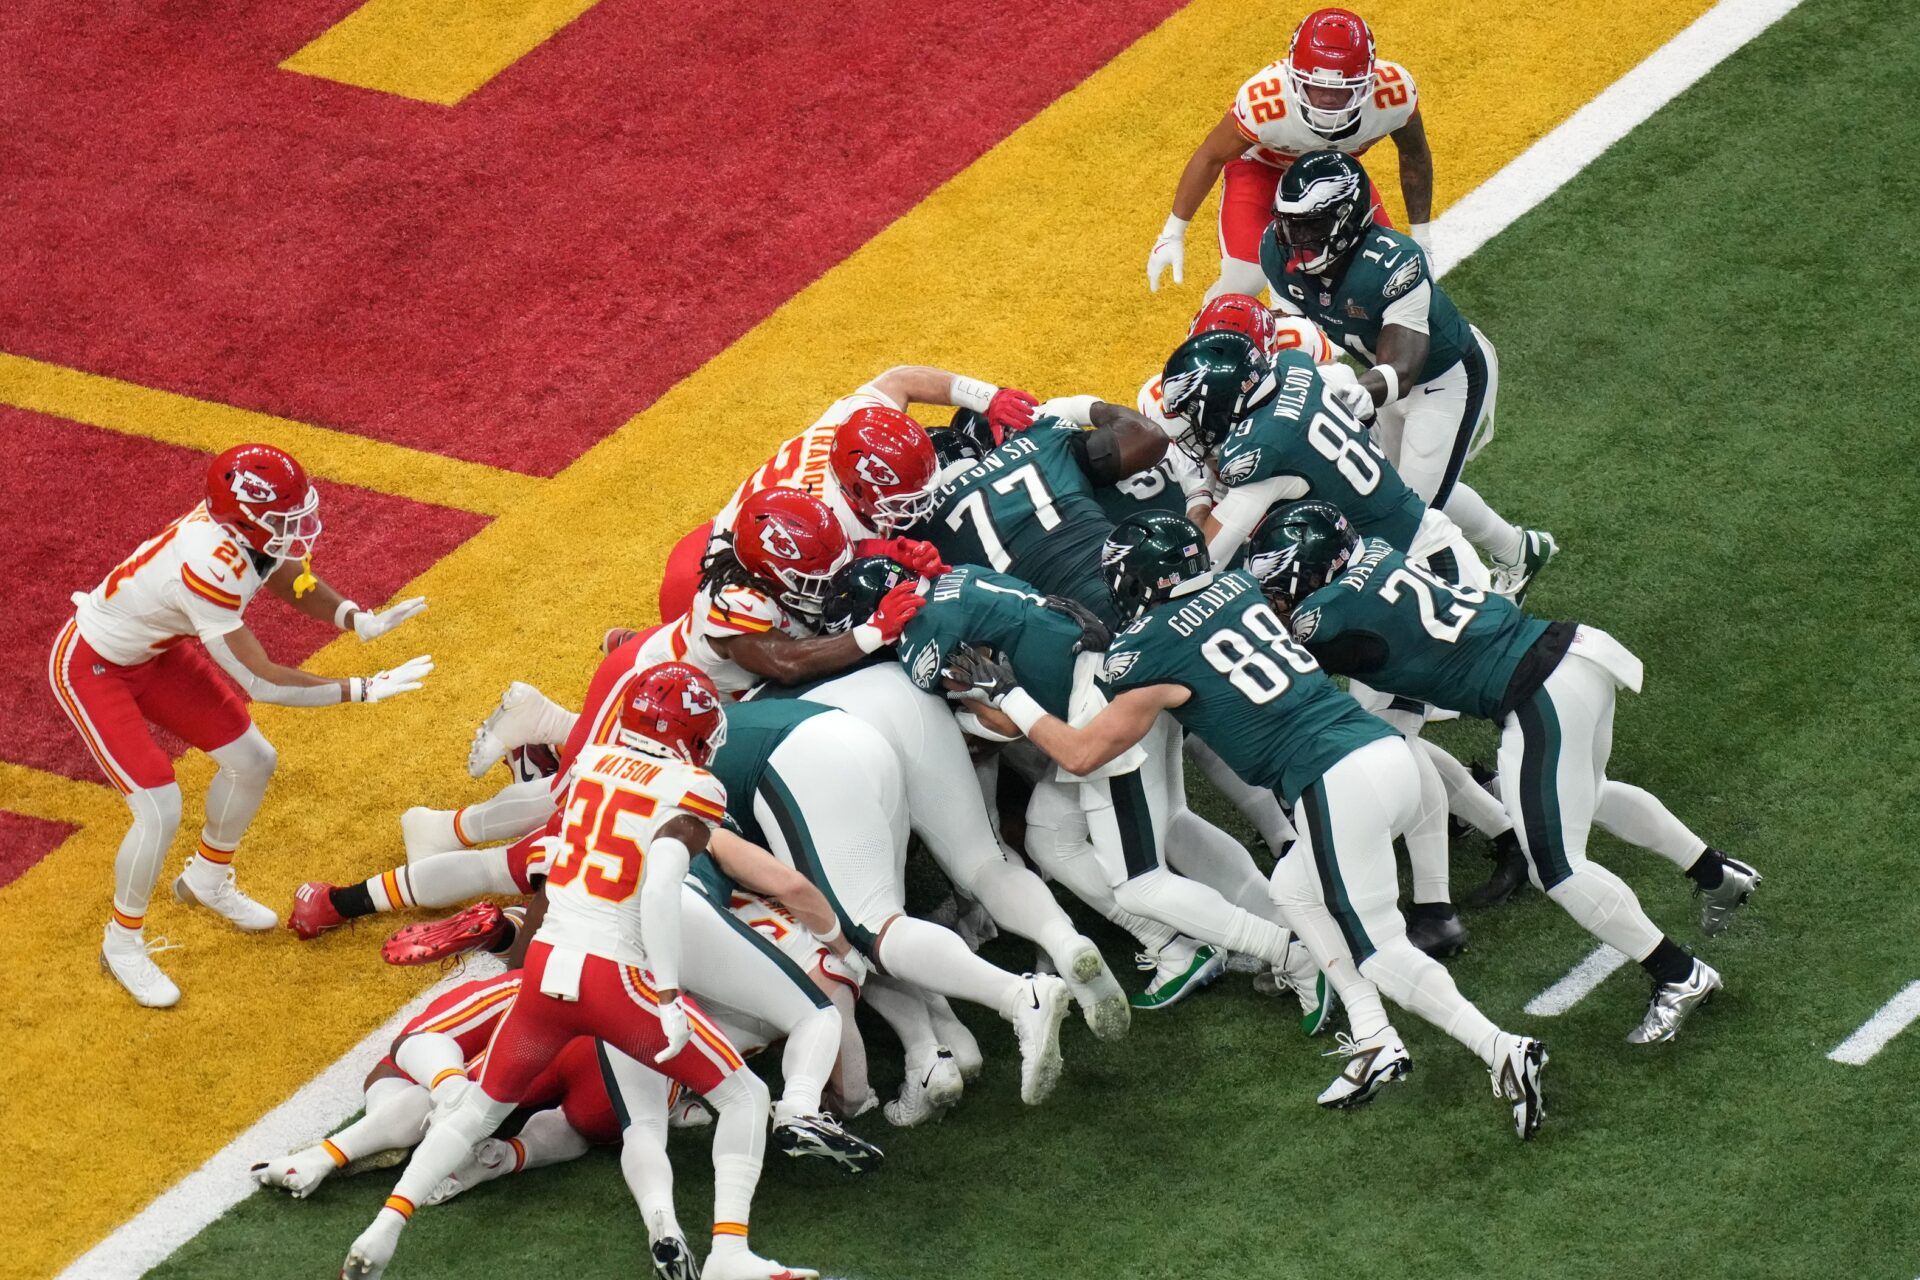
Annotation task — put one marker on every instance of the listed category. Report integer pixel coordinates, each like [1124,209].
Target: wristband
[831,936]
[356,689]
[340,612]
[868,637]
[971,393]
[1021,708]
[1391,377]
[1176,228]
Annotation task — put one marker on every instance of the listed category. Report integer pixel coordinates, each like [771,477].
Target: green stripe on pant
[1139,851]
[793,829]
[1319,822]
[1539,798]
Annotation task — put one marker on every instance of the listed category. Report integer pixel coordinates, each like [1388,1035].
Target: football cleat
[1435,928]
[1372,1064]
[480,927]
[1179,969]
[1102,1003]
[313,913]
[370,1254]
[1516,1079]
[130,963]
[689,1111]
[524,715]
[1509,874]
[1673,1002]
[673,1258]
[297,1173]
[1717,905]
[1039,1007]
[744,1264]
[227,900]
[955,1036]
[824,1138]
[931,1087]
[1537,547]
[1302,976]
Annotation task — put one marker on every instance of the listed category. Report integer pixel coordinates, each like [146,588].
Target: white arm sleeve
[1410,312]
[666,867]
[1241,510]
[259,690]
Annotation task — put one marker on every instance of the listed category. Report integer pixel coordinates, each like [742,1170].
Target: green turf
[1708,396]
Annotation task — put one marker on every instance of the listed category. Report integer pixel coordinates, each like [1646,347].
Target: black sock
[1506,847]
[1709,871]
[1668,962]
[353,901]
[1430,911]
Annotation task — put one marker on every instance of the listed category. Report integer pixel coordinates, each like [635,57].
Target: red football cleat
[481,925]
[313,912]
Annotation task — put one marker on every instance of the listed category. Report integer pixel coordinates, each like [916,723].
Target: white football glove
[673,1025]
[1355,398]
[851,968]
[1170,250]
[382,685]
[371,626]
[1075,409]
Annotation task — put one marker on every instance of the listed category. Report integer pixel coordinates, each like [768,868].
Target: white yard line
[222,1182]
[1577,985]
[1894,1016]
[192,1204]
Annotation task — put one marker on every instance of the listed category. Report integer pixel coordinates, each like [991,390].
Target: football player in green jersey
[1209,649]
[822,791]
[1029,508]
[1364,609]
[1105,835]
[1433,378]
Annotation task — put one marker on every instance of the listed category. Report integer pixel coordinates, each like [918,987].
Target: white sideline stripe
[1550,163]
[192,1204]
[1894,1016]
[202,1196]
[1577,985]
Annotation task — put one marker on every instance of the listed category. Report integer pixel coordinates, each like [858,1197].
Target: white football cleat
[1516,1079]
[226,899]
[491,1159]
[370,1254]
[1039,1007]
[955,1036]
[297,1173]
[130,963]
[745,1264]
[1102,1003]
[1372,1064]
[931,1087]
[524,715]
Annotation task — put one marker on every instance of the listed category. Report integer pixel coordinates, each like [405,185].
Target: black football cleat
[1435,928]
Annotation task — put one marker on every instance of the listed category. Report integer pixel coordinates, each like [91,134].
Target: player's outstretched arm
[1416,178]
[322,601]
[263,680]
[1005,408]
[759,872]
[1169,252]
[1122,723]
[784,660]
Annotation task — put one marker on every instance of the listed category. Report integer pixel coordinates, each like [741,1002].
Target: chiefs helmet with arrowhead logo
[885,464]
[673,709]
[1237,313]
[1330,70]
[791,539]
[263,495]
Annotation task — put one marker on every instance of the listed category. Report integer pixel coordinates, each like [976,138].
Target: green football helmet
[857,590]
[1208,383]
[1147,559]
[1300,548]
[1322,209]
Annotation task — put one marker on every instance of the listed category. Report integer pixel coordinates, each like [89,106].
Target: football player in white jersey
[1329,91]
[605,962]
[125,662]
[866,458]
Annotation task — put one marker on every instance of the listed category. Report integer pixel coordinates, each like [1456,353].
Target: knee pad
[249,757]
[157,806]
[741,1089]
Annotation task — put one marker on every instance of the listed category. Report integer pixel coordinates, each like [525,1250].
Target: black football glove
[984,677]
[1095,635]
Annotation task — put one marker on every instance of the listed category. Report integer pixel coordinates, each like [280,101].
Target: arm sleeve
[260,690]
[667,861]
[1242,509]
[1409,311]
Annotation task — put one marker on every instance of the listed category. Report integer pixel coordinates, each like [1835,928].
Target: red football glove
[1009,411]
[919,557]
[896,611]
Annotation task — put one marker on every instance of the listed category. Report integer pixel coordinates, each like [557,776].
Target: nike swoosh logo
[1388,264]
[928,1082]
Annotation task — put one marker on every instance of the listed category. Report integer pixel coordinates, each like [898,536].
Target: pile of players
[1037,611]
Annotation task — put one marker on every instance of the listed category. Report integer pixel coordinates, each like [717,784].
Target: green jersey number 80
[1247,664]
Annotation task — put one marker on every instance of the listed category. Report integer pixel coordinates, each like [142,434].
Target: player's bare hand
[404,678]
[371,626]
[673,1025]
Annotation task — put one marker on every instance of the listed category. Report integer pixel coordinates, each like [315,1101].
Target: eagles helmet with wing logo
[1300,548]
[1208,383]
[1150,557]
[857,590]
[1322,209]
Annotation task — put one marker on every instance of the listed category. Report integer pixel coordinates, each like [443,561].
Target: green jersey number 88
[1247,666]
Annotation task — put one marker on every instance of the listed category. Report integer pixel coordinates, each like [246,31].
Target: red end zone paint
[84,499]
[510,279]
[24,841]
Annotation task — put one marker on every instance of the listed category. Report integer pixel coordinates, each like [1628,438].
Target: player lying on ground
[127,660]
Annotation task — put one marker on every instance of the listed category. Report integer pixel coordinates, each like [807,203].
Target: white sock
[902,1009]
[849,1075]
[546,1138]
[1201,851]
[1257,805]
[506,815]
[1637,816]
[929,956]
[447,878]
[1421,985]
[234,795]
[432,1059]
[396,1116]
[1605,907]
[1019,902]
[649,1175]
[813,1044]
[739,1143]
[1500,539]
[1199,912]
[1426,837]
[448,1143]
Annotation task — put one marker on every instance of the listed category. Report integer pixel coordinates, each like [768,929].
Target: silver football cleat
[1372,1065]
[1717,905]
[1672,1003]
[1516,1080]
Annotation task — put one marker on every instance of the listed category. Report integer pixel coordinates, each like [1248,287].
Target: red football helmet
[1330,70]
[263,495]
[791,539]
[885,465]
[673,707]
[1238,313]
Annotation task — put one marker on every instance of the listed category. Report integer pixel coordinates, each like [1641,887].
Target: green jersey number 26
[1443,605]
[1248,664]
